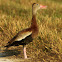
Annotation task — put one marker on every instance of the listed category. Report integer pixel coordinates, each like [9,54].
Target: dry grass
[15,15]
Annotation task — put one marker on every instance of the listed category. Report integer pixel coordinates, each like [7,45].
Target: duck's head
[36,7]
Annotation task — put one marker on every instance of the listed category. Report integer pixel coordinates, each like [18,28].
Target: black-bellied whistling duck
[26,36]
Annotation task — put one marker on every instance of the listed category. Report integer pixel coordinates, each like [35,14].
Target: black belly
[25,41]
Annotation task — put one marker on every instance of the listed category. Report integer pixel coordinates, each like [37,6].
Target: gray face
[35,8]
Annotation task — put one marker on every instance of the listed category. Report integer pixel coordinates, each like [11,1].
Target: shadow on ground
[9,53]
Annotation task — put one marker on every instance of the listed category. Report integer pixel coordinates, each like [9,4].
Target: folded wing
[20,36]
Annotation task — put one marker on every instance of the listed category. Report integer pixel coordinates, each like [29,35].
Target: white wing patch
[23,36]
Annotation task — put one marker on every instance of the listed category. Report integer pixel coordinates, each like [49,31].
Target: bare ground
[13,55]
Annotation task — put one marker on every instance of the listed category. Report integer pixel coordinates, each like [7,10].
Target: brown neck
[33,21]
[34,26]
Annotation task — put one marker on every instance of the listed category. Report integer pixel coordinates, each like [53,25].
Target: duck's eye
[37,4]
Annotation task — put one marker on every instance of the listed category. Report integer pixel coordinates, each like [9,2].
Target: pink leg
[24,50]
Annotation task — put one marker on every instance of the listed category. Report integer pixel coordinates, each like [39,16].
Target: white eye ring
[37,4]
